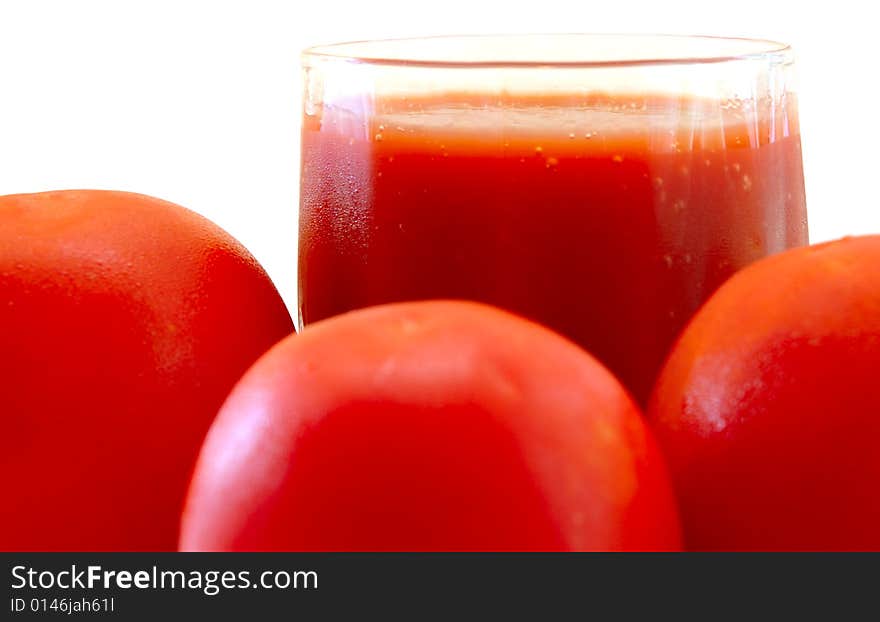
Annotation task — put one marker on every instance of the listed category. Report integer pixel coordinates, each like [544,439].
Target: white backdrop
[198,102]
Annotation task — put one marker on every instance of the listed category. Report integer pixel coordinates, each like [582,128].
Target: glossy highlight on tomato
[124,322]
[429,426]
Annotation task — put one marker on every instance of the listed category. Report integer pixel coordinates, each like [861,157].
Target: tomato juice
[609,218]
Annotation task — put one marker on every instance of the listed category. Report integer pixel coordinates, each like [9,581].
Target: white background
[198,102]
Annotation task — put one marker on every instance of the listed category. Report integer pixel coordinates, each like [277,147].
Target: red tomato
[429,426]
[769,406]
[124,323]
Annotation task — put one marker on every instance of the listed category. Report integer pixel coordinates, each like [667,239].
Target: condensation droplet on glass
[688,258]
[617,158]
[551,162]
[571,134]
[736,167]
[658,182]
[588,135]
[667,259]
[538,149]
[747,183]
[685,171]
[381,128]
[679,205]
[707,162]
[378,137]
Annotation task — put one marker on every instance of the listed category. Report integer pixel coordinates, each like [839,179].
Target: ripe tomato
[769,406]
[124,323]
[429,426]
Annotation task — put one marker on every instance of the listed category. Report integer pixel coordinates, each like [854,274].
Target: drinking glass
[602,185]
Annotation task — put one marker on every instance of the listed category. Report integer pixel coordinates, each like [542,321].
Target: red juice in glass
[607,216]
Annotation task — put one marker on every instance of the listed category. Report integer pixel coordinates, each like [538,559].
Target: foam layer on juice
[595,122]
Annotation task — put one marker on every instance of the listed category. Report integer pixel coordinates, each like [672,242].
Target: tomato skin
[429,426]
[124,322]
[768,408]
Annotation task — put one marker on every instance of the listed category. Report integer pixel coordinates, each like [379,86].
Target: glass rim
[730,49]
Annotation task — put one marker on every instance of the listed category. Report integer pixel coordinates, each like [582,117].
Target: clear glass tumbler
[602,185]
